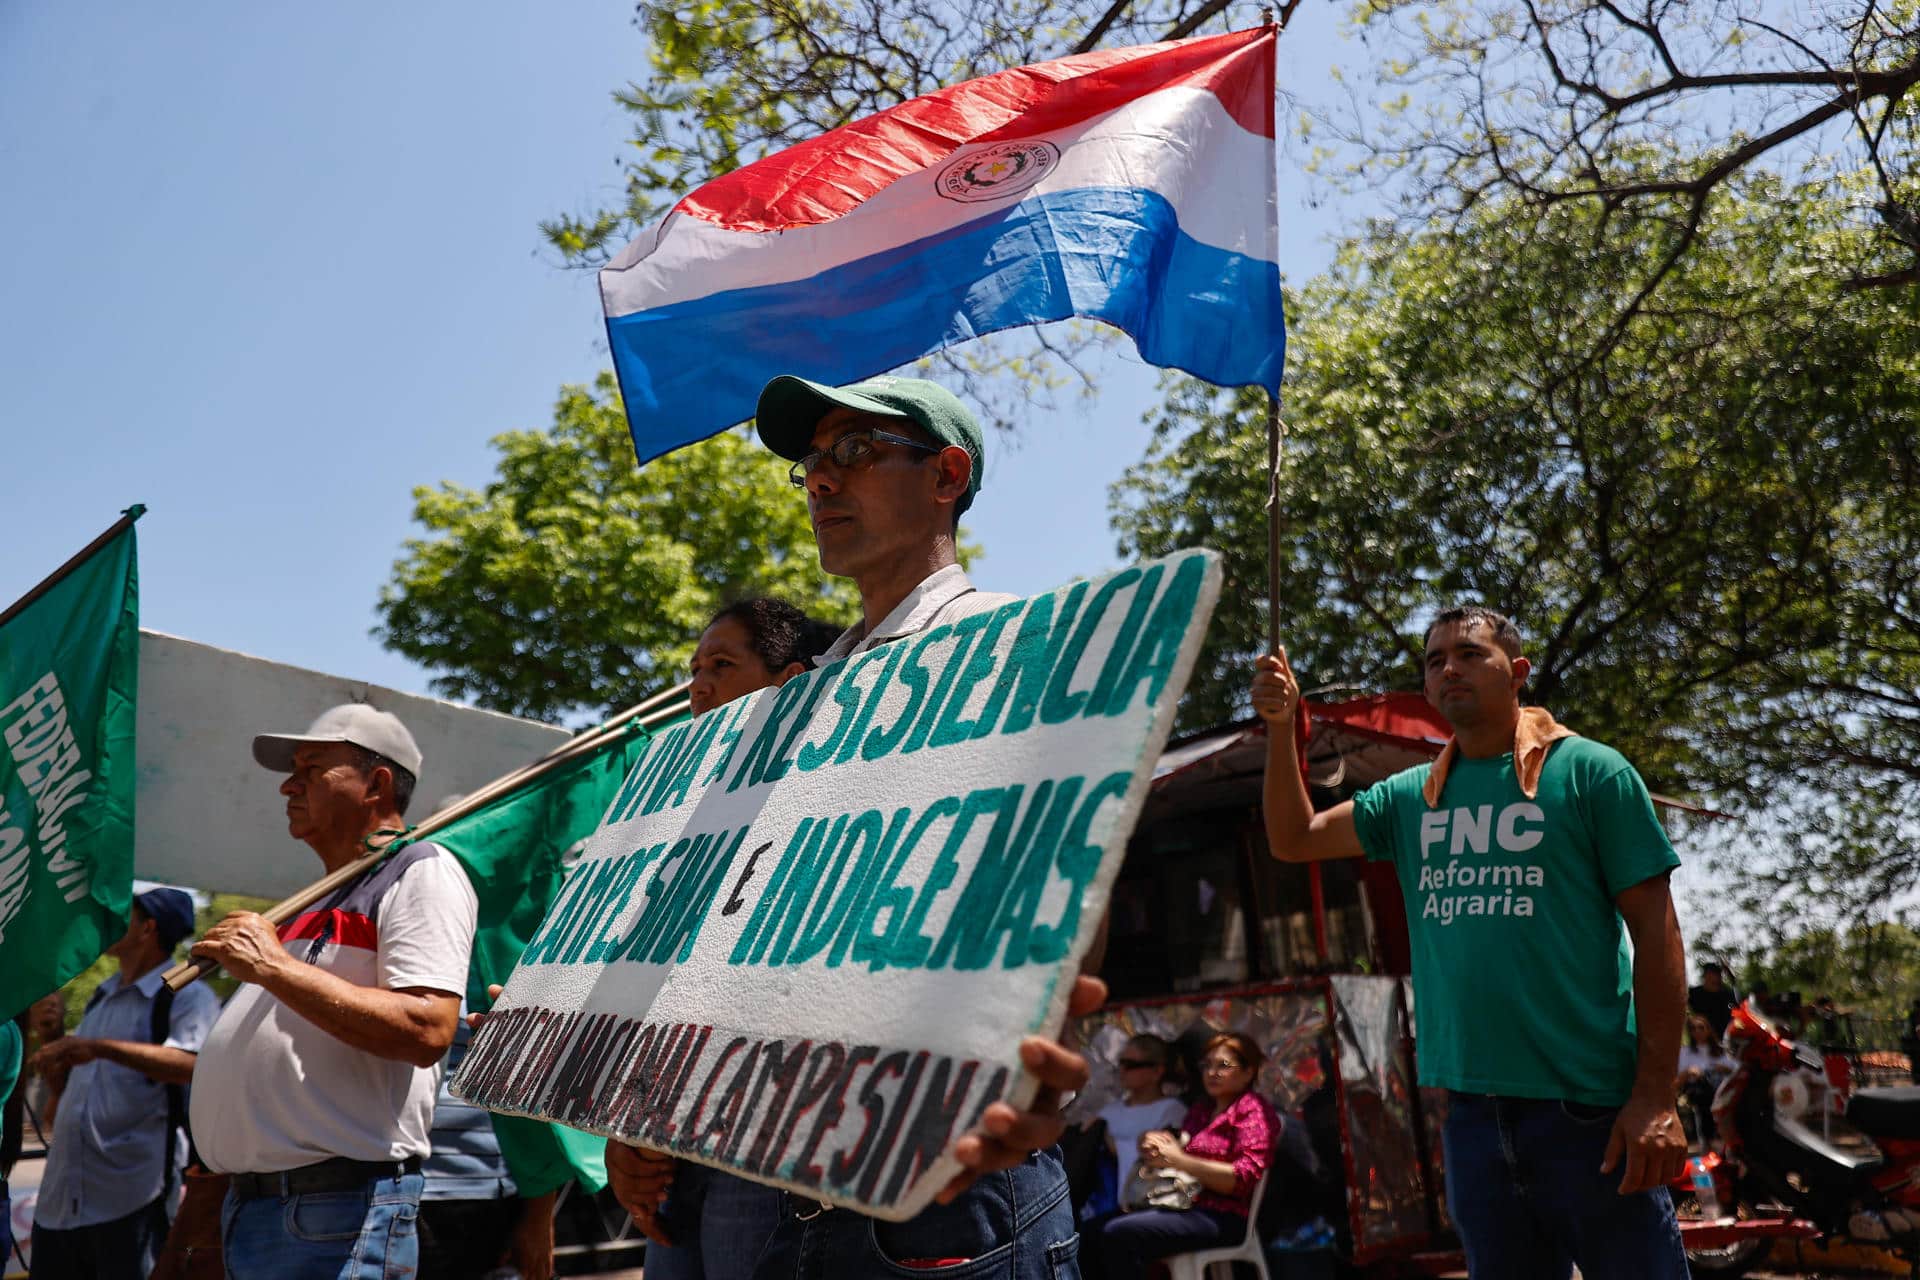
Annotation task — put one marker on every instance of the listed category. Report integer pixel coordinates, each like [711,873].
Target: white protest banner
[815,924]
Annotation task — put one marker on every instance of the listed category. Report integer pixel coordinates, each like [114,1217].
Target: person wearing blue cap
[116,1150]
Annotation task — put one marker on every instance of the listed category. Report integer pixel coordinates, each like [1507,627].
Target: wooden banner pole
[655,710]
[1274,429]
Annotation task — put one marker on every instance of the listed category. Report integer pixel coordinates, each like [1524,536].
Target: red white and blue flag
[1133,186]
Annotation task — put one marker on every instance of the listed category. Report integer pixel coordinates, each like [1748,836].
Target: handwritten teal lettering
[1061,703]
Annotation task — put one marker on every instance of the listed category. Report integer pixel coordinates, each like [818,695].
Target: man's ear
[789,671]
[955,467]
[1521,670]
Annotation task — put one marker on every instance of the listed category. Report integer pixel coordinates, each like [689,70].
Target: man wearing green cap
[889,465]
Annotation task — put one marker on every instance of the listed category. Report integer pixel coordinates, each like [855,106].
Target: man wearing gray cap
[116,1149]
[315,1088]
[888,466]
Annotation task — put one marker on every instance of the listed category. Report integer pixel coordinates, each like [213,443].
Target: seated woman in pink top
[1234,1131]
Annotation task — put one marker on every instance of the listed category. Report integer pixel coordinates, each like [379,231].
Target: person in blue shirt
[103,1205]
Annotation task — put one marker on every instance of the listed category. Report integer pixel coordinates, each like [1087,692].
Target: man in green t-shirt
[1526,867]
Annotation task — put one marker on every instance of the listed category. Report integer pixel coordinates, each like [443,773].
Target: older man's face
[326,791]
[871,516]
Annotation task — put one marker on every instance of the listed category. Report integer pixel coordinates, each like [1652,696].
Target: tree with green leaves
[1707,534]
[1871,970]
[1644,113]
[577,583]
[1814,891]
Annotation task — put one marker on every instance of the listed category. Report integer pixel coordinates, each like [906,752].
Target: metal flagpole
[1275,428]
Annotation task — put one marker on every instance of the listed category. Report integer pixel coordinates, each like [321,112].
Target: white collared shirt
[943,596]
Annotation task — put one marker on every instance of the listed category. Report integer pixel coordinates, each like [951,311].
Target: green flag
[515,853]
[69,670]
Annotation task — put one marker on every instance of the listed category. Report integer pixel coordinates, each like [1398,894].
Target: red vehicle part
[1721,1232]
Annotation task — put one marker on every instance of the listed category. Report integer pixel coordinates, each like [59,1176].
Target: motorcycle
[1798,1142]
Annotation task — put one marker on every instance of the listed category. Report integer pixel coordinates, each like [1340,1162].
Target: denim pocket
[979,1224]
[405,1220]
[904,1252]
[1585,1113]
[1063,1259]
[326,1215]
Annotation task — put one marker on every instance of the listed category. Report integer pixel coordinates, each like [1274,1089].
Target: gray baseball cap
[378,731]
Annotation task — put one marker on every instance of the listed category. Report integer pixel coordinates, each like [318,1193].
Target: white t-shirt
[1127,1123]
[272,1091]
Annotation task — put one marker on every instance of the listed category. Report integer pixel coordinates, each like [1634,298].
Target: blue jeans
[1132,1242]
[1013,1225]
[1525,1189]
[720,1224]
[366,1234]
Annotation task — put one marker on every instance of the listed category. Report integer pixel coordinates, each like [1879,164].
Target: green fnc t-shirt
[1522,980]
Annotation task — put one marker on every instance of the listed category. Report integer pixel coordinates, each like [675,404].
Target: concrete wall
[206,815]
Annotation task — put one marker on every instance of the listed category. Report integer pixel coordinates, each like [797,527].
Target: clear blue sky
[268,267]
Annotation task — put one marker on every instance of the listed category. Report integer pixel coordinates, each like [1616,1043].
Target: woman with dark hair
[1231,1137]
[719,1223]
[751,645]
[713,1225]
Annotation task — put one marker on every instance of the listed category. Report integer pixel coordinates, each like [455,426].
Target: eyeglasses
[1212,1065]
[1134,1064]
[853,451]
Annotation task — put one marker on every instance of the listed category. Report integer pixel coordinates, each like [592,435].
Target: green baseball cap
[791,408]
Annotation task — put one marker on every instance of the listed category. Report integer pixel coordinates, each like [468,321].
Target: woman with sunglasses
[1233,1132]
[1143,1105]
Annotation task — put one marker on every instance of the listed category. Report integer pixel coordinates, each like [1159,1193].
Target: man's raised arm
[1295,833]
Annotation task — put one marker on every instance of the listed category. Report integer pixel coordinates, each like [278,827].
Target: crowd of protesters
[324,1143]
[311,1097]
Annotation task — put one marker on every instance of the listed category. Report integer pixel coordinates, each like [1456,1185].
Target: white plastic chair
[1252,1250]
